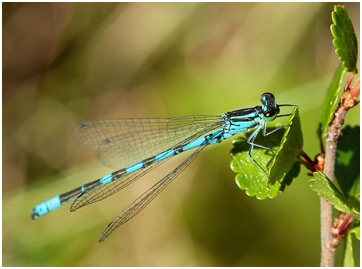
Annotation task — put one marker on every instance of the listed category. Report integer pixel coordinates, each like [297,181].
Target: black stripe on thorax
[244,114]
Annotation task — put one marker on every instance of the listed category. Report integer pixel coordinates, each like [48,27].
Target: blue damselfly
[140,145]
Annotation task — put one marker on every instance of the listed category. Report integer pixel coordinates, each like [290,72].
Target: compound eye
[267,97]
[270,113]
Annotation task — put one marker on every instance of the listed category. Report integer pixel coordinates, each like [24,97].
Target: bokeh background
[64,63]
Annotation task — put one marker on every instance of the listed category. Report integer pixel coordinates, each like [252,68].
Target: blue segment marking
[165,155]
[106,179]
[194,144]
[50,205]
[150,140]
[134,167]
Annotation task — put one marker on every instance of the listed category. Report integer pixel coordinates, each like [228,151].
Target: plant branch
[313,166]
[349,100]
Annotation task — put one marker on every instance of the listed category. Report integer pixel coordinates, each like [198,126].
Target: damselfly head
[270,108]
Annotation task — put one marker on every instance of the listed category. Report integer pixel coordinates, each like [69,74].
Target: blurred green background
[64,63]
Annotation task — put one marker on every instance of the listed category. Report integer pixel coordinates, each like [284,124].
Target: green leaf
[288,152]
[356,231]
[326,189]
[348,162]
[348,260]
[331,101]
[345,39]
[251,178]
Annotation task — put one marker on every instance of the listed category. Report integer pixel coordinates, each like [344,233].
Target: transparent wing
[122,142]
[141,202]
[121,179]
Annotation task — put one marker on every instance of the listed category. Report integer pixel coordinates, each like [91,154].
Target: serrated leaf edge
[319,176]
[336,27]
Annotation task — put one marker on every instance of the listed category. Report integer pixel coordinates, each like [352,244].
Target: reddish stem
[349,100]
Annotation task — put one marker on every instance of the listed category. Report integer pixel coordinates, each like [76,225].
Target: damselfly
[140,145]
